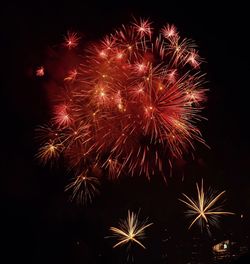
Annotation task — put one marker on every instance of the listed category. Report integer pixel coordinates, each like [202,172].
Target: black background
[40,225]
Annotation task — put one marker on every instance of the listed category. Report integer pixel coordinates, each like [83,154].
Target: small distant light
[140,90]
[103,54]
[119,55]
[102,94]
[40,71]
[71,40]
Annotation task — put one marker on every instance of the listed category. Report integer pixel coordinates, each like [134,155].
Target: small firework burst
[62,115]
[114,168]
[130,230]
[49,151]
[40,71]
[71,75]
[71,40]
[84,188]
[169,32]
[205,210]
[143,27]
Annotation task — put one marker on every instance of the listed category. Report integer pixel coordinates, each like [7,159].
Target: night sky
[40,224]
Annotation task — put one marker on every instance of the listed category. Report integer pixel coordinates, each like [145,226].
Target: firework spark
[133,103]
[204,209]
[130,230]
[40,71]
[71,75]
[49,152]
[84,188]
[71,40]
[143,28]
[169,31]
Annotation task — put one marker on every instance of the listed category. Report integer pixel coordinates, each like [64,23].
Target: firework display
[84,188]
[130,230]
[126,105]
[132,104]
[206,209]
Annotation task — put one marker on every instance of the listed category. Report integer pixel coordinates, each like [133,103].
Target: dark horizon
[41,225]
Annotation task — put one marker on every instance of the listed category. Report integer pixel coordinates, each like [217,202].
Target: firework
[71,40]
[130,230]
[71,75]
[49,151]
[83,188]
[40,71]
[205,210]
[133,103]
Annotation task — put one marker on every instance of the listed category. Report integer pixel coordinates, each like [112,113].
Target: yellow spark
[83,187]
[204,209]
[130,230]
[49,151]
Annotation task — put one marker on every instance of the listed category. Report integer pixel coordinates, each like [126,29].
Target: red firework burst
[132,104]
